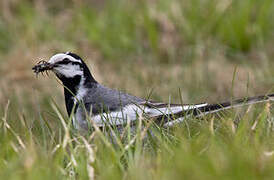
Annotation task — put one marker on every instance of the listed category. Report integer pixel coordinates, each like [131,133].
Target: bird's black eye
[64,61]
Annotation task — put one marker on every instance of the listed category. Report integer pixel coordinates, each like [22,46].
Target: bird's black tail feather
[212,108]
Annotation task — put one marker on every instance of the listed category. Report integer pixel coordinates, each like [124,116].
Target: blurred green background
[138,46]
[143,46]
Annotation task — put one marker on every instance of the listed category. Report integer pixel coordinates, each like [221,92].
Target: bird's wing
[154,109]
[133,110]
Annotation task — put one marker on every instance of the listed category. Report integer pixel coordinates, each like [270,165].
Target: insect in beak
[41,67]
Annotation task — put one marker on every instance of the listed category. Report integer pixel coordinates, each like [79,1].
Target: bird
[86,99]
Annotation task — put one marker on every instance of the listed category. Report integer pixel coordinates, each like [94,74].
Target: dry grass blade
[91,159]
[265,111]
[4,118]
[66,129]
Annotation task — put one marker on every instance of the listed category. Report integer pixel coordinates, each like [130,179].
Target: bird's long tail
[212,108]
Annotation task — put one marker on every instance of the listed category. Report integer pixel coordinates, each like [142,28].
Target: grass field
[200,50]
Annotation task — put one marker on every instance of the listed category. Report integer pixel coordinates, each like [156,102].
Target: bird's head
[65,66]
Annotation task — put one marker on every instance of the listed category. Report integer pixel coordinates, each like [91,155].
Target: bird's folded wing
[153,109]
[133,111]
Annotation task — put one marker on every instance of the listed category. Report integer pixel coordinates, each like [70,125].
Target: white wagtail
[84,94]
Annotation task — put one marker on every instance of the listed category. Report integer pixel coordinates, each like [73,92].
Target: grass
[211,50]
[231,146]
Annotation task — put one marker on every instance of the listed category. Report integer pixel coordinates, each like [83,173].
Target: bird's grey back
[101,99]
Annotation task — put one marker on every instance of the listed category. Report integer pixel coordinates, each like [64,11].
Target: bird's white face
[66,65]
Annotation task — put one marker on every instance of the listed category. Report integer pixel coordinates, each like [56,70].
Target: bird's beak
[42,66]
